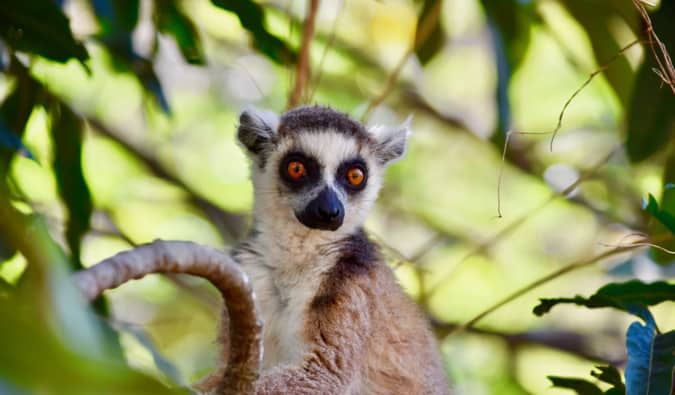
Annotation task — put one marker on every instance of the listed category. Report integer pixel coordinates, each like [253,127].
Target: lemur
[335,319]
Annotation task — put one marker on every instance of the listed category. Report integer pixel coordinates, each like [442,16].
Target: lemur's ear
[391,142]
[257,129]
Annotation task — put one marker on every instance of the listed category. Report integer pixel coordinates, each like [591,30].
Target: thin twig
[562,340]
[541,281]
[588,80]
[527,216]
[666,70]
[303,72]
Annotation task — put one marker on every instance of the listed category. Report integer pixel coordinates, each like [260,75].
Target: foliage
[623,101]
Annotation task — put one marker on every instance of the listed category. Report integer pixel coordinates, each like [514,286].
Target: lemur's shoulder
[361,321]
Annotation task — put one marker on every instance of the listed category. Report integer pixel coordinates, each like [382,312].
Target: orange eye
[295,169]
[355,176]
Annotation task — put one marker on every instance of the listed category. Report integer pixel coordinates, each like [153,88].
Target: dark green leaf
[9,140]
[651,360]
[509,24]
[622,296]
[664,217]
[118,20]
[598,17]
[609,375]
[429,36]
[41,28]
[15,111]
[252,18]
[66,134]
[656,228]
[172,21]
[580,386]
[650,118]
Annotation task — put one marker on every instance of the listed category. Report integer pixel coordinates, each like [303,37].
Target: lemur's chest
[283,297]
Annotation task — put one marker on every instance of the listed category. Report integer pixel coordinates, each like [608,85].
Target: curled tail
[244,357]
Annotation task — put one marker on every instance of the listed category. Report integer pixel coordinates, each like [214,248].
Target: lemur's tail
[244,357]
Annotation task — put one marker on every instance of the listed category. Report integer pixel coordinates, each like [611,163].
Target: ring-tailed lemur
[335,319]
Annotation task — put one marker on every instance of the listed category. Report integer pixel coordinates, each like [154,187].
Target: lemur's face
[314,167]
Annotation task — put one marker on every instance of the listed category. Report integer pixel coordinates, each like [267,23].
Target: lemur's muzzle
[324,212]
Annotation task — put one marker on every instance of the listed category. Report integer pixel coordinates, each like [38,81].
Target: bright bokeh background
[444,191]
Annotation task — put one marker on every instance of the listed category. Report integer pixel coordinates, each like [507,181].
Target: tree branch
[561,340]
[303,72]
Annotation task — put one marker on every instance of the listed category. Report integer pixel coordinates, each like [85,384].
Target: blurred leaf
[11,141]
[7,250]
[651,118]
[163,364]
[663,216]
[622,296]
[651,360]
[145,73]
[118,20]
[429,36]
[656,228]
[609,375]
[580,386]
[509,26]
[252,17]
[39,27]
[33,357]
[598,17]
[15,111]
[171,20]
[66,134]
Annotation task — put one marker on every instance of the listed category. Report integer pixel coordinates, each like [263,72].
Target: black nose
[328,210]
[324,212]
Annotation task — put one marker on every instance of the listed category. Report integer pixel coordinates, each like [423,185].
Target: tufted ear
[257,129]
[391,142]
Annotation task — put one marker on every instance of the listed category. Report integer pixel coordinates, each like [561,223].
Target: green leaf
[623,296]
[15,111]
[655,228]
[67,134]
[651,360]
[163,365]
[650,117]
[580,386]
[664,217]
[39,27]
[9,140]
[509,23]
[598,18]
[252,18]
[171,20]
[118,20]
[609,375]
[429,35]
[7,250]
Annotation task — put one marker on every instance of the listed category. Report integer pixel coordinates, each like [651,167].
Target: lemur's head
[315,167]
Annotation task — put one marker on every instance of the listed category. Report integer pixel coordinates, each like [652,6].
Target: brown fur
[365,335]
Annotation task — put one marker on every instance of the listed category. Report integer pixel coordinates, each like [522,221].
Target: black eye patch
[347,171]
[298,171]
